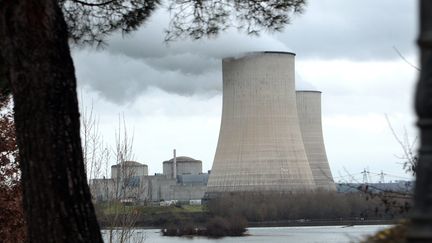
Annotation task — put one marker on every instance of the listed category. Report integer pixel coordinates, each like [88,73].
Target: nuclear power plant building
[260,145]
[181,181]
[270,140]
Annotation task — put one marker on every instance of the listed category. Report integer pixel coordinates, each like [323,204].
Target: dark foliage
[398,203]
[197,19]
[215,227]
[89,22]
[258,207]
[181,229]
[410,165]
[232,226]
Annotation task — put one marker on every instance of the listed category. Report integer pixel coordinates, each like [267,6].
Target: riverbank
[155,217]
[336,234]
[200,221]
[341,222]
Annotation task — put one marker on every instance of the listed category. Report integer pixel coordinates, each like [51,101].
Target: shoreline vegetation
[294,223]
[215,227]
[231,214]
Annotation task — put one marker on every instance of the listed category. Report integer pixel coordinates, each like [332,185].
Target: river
[312,234]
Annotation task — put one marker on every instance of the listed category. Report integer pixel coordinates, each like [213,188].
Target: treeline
[255,208]
[258,207]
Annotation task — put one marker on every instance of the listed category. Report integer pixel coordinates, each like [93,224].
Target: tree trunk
[421,228]
[34,46]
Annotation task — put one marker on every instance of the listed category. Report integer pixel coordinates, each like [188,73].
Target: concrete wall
[149,189]
[309,112]
[167,189]
[113,189]
[260,146]
[167,169]
[130,180]
[158,188]
[102,189]
[186,193]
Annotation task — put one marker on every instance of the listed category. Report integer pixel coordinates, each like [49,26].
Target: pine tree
[39,71]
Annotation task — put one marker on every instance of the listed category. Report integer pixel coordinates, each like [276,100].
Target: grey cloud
[122,79]
[353,29]
[192,56]
[186,63]
[129,66]
[147,42]
[186,56]
[329,29]
[346,29]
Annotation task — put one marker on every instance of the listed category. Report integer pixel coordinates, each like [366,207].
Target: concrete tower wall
[260,146]
[309,112]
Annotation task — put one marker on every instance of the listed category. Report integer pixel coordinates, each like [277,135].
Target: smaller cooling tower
[309,114]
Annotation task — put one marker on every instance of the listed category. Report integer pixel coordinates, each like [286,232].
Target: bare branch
[93,4]
[409,156]
[403,58]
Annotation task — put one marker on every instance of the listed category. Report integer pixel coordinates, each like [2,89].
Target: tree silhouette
[39,71]
[420,229]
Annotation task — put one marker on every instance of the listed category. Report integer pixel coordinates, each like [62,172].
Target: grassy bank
[114,215]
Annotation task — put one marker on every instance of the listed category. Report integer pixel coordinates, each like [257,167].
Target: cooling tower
[309,113]
[260,146]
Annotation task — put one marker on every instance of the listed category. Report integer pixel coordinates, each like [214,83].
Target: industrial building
[130,182]
[268,142]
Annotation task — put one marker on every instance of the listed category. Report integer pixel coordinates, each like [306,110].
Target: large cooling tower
[309,113]
[260,146]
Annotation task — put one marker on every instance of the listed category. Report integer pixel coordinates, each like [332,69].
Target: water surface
[312,234]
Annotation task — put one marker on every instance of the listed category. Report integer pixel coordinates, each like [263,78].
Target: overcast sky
[171,96]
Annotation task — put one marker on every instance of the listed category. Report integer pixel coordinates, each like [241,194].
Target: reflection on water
[333,234]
